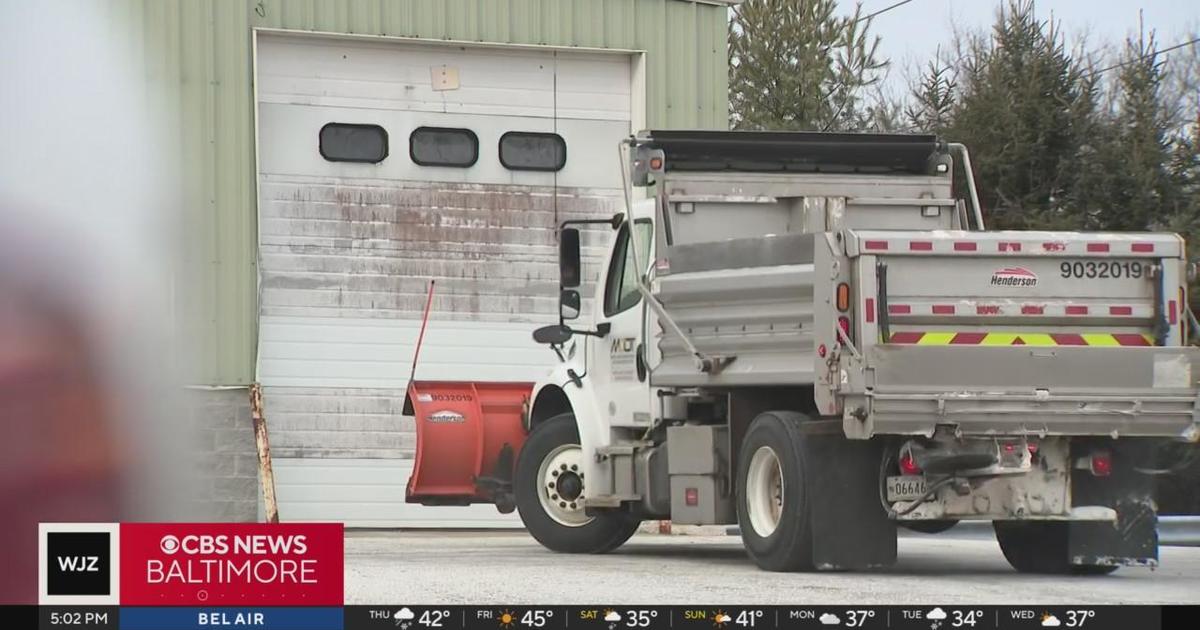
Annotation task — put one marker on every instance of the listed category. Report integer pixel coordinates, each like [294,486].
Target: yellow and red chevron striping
[1019,339]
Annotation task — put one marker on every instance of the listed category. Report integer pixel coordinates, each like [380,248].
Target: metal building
[338,154]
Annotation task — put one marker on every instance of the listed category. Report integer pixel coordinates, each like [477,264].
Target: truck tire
[772,501]
[551,462]
[1041,547]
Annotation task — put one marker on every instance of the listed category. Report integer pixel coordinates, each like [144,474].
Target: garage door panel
[389,77]
[294,129]
[367,493]
[347,249]
[365,198]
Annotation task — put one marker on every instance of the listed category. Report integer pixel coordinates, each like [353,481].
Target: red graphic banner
[232,564]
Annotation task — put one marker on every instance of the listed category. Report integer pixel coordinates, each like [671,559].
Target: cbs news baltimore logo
[78,563]
[191,564]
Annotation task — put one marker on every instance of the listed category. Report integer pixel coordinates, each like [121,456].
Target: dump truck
[813,337]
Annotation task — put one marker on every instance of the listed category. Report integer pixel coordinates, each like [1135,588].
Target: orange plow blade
[468,437]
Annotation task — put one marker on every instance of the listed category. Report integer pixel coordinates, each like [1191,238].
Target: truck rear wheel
[550,488]
[1041,547]
[772,502]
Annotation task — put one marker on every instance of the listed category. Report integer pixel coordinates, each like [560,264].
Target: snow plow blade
[468,437]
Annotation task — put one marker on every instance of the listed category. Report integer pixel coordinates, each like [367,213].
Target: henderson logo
[1014,277]
[231,564]
[446,416]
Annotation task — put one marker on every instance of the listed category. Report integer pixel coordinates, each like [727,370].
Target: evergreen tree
[796,64]
[1018,99]
[1142,193]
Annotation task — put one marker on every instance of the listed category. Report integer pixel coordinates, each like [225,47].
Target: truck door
[618,364]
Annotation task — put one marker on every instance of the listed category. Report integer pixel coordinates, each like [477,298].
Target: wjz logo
[78,563]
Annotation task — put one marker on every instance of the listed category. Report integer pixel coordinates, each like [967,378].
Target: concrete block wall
[225,464]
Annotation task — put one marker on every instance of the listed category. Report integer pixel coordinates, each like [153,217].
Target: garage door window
[527,151]
[443,146]
[346,142]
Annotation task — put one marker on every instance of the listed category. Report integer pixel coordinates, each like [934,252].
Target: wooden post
[264,453]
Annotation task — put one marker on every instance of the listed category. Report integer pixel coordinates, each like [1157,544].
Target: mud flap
[1133,539]
[850,529]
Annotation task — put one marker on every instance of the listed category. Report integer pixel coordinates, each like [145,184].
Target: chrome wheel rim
[561,487]
[764,491]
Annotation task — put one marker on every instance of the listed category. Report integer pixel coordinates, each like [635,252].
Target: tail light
[1100,463]
[844,324]
[843,297]
[908,465]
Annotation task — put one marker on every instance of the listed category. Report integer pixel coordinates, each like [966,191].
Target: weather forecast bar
[756,618]
[379,617]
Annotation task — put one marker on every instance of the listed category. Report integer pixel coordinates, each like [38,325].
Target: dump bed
[847,265]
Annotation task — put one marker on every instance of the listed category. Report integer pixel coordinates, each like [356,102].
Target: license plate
[905,488]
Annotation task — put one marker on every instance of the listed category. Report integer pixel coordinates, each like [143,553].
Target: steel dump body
[987,333]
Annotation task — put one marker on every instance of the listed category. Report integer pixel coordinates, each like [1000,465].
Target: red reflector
[1010,247]
[920,246]
[1101,463]
[1077,310]
[822,351]
[869,308]
[1142,247]
[1033,447]
[987,309]
[908,466]
[943,309]
[1172,314]
[1120,310]
[1032,309]
[1052,246]
[964,246]
[875,244]
[691,496]
[656,164]
[1008,448]
[1097,247]
[899,309]
[844,324]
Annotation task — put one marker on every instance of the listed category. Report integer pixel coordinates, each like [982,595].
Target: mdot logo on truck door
[1014,277]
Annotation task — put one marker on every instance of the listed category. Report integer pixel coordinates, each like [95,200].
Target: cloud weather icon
[612,616]
[1050,621]
[936,614]
[404,614]
[829,619]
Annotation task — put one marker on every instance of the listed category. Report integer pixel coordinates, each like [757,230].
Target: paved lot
[511,568]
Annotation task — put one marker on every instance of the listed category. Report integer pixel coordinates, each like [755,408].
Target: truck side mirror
[555,334]
[569,266]
[569,304]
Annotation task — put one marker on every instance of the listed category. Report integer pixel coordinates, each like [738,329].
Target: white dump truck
[812,337]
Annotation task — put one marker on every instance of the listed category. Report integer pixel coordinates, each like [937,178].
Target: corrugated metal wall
[200,51]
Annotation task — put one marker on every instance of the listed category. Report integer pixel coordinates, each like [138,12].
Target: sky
[910,34]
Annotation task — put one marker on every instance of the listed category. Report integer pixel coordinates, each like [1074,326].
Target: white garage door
[348,248]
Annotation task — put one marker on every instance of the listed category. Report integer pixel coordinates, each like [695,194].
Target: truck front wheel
[1041,547]
[551,487]
[772,502]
